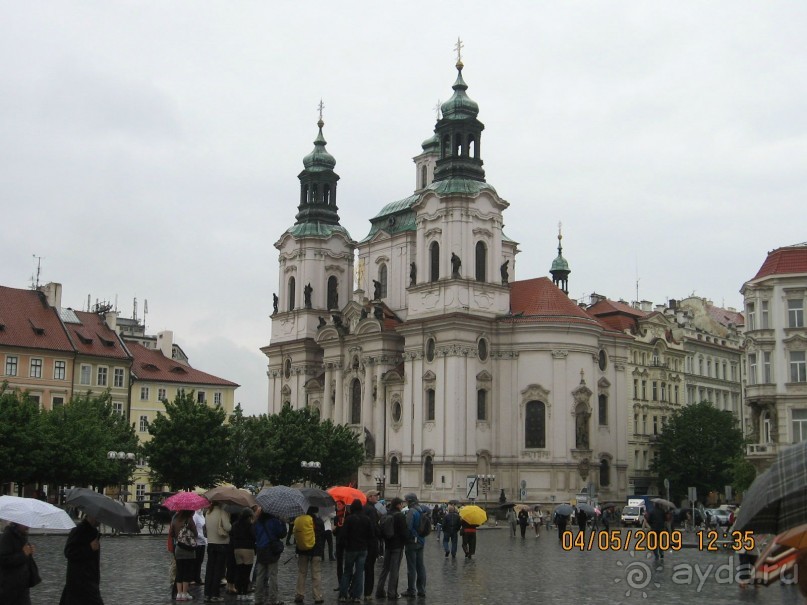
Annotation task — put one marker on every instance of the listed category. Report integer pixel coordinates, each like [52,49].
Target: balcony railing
[760,449]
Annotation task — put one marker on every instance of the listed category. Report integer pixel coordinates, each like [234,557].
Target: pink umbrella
[186,501]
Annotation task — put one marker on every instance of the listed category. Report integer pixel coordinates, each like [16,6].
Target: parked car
[723,517]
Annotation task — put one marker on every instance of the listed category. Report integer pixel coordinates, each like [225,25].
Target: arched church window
[605,472]
[471,147]
[481,405]
[458,145]
[481,260]
[382,278]
[355,402]
[446,147]
[428,471]
[314,194]
[535,425]
[326,194]
[603,405]
[424,175]
[434,261]
[333,295]
[304,194]
[431,404]
[291,293]
[393,471]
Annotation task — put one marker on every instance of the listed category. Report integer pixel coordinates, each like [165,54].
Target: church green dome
[460,106]
[319,159]
[431,144]
[560,264]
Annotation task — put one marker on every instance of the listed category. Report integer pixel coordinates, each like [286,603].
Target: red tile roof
[617,315]
[93,337]
[538,300]
[724,316]
[790,259]
[150,365]
[27,320]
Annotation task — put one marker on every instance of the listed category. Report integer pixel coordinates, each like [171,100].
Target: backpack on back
[304,535]
[424,525]
[388,527]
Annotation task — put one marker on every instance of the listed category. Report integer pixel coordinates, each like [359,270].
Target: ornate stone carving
[559,354]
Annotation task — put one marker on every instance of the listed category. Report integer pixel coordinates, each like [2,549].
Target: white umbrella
[34,513]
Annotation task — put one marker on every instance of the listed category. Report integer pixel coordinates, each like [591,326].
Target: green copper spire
[560,267]
[318,183]
[459,133]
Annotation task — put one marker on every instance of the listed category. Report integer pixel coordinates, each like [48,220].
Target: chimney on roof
[165,343]
[673,304]
[646,305]
[111,319]
[53,293]
[595,298]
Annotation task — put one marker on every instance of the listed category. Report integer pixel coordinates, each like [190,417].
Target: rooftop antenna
[637,279]
[35,279]
[134,310]
[89,297]
[116,303]
[145,312]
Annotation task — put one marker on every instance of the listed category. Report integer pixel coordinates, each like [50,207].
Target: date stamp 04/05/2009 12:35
[713,541]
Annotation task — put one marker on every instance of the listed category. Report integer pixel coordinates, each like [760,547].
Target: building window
[767,372]
[428,471]
[764,313]
[655,391]
[355,402]
[603,409]
[291,293]
[752,368]
[85,374]
[664,391]
[430,405]
[798,369]
[217,398]
[482,349]
[287,368]
[393,471]
[751,316]
[200,397]
[333,293]
[602,360]
[161,394]
[644,390]
[605,473]
[383,280]
[481,261]
[140,491]
[676,393]
[482,405]
[117,407]
[795,314]
[535,425]
[423,176]
[430,349]
[397,412]
[102,374]
[635,388]
[117,378]
[11,365]
[144,424]
[655,425]
[434,261]
[144,394]
[59,370]
[700,366]
[36,368]
[799,425]
[56,401]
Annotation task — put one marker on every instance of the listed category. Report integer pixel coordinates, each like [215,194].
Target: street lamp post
[380,482]
[310,467]
[124,458]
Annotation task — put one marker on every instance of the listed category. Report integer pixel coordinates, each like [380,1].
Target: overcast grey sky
[151,149]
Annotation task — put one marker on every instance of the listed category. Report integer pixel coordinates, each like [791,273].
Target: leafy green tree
[21,448]
[188,445]
[743,475]
[697,448]
[244,448]
[78,436]
[343,454]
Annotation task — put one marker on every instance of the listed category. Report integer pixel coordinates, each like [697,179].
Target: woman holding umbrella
[83,551]
[16,557]
[184,530]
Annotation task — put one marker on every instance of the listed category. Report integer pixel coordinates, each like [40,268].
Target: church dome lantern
[318,184]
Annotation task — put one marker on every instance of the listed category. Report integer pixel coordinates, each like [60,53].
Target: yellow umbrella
[473,515]
[795,537]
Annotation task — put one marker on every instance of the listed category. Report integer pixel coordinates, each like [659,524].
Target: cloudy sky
[151,149]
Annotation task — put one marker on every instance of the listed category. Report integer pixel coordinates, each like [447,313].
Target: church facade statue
[456,263]
[307,295]
[505,272]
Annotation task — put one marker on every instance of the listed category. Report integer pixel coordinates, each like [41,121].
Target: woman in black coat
[83,551]
[15,564]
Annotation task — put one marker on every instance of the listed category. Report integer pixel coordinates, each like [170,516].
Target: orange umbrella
[346,495]
[796,537]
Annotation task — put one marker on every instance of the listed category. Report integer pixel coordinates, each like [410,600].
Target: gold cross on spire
[458,47]
[321,106]
[437,109]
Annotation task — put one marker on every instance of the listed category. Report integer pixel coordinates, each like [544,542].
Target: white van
[633,513]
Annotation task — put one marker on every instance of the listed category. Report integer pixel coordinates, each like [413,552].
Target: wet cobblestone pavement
[134,571]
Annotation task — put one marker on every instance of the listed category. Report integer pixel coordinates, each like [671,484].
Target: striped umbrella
[282,501]
[777,499]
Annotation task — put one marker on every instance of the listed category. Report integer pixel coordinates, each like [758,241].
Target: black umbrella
[777,499]
[104,509]
[317,497]
[564,510]
[507,505]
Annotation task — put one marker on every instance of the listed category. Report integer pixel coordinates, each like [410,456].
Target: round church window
[397,411]
[482,349]
[603,360]
[430,349]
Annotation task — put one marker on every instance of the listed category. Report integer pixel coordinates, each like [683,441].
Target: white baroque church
[445,364]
